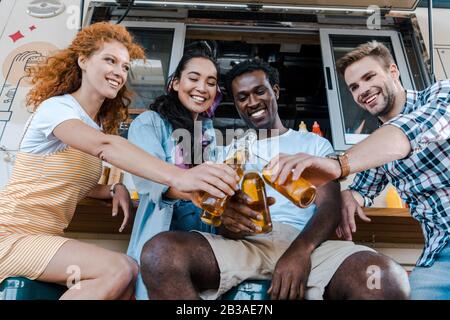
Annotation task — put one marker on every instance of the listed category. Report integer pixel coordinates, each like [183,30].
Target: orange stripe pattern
[36,206]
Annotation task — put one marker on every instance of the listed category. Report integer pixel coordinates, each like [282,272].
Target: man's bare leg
[178,265]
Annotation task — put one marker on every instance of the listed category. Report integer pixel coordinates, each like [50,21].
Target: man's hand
[317,170]
[291,273]
[350,207]
[237,217]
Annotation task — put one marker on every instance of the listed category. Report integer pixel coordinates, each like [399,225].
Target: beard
[389,99]
[387,91]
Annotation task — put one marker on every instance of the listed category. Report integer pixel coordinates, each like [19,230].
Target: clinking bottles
[253,187]
[300,191]
[213,207]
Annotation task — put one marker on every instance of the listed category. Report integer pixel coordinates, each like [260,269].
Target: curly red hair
[60,73]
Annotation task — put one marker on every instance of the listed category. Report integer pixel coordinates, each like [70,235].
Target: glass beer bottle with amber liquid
[212,206]
[253,186]
[238,155]
[301,192]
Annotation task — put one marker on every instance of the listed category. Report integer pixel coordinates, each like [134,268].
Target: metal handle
[329,83]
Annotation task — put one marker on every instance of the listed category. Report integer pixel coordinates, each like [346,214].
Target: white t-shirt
[39,138]
[291,142]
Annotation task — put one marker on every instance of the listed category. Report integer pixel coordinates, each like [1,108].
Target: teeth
[197,98]
[258,113]
[372,98]
[114,83]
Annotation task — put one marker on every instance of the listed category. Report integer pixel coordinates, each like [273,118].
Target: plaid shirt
[423,177]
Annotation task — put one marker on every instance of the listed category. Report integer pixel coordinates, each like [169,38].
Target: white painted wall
[47,34]
[441,36]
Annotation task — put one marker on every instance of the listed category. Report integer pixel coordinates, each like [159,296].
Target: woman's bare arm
[214,178]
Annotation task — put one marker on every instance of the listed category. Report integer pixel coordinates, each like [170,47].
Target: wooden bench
[95,216]
[387,226]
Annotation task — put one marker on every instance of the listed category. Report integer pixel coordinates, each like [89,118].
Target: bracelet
[345,167]
[112,190]
[342,159]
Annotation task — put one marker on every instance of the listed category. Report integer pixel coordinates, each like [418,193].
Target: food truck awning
[320,4]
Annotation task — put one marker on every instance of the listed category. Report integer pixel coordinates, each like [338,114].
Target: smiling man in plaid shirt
[411,150]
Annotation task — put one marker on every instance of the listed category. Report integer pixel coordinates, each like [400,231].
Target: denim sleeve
[369,184]
[150,133]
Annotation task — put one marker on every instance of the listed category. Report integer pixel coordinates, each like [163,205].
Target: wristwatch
[342,159]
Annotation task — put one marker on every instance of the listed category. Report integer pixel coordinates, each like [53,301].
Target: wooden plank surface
[387,226]
[95,216]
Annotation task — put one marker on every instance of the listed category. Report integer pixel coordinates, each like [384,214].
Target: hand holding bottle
[240,218]
[298,190]
[317,170]
[217,179]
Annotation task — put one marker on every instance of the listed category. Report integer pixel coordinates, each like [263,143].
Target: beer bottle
[301,192]
[253,186]
[240,154]
[214,206]
[208,218]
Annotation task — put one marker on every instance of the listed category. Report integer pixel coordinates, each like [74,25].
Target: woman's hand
[121,198]
[218,180]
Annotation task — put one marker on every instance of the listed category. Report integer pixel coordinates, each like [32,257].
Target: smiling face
[106,70]
[372,86]
[256,99]
[197,85]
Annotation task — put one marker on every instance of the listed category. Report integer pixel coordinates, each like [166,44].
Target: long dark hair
[169,105]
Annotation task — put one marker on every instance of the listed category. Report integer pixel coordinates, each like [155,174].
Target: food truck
[301,38]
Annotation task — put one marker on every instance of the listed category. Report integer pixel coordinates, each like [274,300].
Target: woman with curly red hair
[80,97]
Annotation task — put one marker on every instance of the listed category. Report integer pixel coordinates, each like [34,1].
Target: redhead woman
[80,97]
[192,95]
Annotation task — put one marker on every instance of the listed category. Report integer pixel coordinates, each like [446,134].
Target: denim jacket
[155,213]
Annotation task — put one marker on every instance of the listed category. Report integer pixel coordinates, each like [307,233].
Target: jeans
[186,217]
[432,283]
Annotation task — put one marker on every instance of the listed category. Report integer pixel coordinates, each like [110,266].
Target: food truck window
[349,123]
[297,57]
[163,44]
[148,79]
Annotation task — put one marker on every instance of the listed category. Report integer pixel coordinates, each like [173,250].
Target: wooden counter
[387,226]
[95,216]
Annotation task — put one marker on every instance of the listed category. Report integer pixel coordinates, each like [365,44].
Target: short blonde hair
[369,49]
